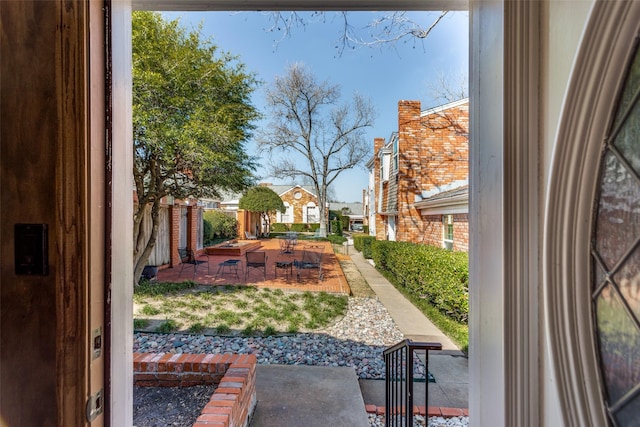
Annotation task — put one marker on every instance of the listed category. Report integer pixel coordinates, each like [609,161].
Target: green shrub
[223,226]
[365,229]
[436,275]
[298,227]
[207,231]
[314,226]
[344,220]
[336,240]
[279,227]
[362,243]
[336,227]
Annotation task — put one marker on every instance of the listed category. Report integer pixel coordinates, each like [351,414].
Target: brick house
[426,157]
[301,205]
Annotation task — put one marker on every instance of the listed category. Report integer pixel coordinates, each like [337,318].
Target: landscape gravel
[419,421]
[358,340]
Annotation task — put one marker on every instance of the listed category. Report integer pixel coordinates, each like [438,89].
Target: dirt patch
[169,406]
[357,283]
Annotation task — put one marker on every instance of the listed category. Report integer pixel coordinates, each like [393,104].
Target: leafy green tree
[192,116]
[264,200]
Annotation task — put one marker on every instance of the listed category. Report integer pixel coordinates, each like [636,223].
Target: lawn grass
[232,310]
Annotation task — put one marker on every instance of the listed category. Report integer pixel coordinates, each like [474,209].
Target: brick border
[233,401]
[434,411]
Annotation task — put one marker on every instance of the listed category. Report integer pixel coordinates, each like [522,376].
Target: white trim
[444,107]
[487,380]
[296,187]
[122,233]
[121,375]
[598,73]
[253,5]
[462,208]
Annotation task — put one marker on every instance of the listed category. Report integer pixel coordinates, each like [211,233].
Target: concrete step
[310,396]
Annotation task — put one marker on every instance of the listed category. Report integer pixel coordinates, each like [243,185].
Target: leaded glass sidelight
[616,258]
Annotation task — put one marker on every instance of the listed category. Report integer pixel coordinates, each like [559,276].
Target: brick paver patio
[206,272]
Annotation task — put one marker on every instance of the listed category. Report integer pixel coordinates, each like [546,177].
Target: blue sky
[387,74]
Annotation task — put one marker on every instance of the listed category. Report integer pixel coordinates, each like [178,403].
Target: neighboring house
[301,207]
[445,219]
[352,210]
[301,204]
[428,155]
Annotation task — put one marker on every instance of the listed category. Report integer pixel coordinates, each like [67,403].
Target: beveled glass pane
[628,139]
[600,275]
[628,280]
[630,88]
[629,414]
[619,342]
[618,218]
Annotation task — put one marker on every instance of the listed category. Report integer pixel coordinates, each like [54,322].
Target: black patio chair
[255,260]
[193,260]
[311,260]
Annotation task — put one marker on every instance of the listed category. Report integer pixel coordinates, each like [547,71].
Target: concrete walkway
[291,396]
[449,366]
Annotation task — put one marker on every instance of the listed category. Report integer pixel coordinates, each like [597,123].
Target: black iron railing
[399,364]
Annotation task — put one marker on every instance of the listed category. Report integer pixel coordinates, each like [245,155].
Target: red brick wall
[192,230]
[433,152]
[231,404]
[461,232]
[434,229]
[298,204]
[174,235]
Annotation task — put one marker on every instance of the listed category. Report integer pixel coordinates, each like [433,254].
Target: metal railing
[399,364]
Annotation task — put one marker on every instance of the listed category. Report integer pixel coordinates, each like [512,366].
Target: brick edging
[233,401]
[434,411]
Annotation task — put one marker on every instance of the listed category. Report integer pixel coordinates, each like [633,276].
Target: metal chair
[250,236]
[311,260]
[193,260]
[256,260]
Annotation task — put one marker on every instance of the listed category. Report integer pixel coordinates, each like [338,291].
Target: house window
[447,238]
[312,213]
[615,256]
[395,153]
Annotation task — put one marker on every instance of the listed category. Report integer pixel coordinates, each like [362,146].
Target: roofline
[444,107]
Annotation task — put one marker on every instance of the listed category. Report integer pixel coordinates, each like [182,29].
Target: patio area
[231,269]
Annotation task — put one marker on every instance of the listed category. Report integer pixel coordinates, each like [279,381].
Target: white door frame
[498,186]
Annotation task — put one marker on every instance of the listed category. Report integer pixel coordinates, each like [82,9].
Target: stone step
[310,396]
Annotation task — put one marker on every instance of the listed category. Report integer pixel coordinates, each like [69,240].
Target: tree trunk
[141,260]
[322,231]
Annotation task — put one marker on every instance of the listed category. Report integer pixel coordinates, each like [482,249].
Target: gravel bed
[419,421]
[169,406]
[356,340]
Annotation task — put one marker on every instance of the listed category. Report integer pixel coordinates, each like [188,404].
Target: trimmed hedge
[437,275]
[362,243]
[279,227]
[298,227]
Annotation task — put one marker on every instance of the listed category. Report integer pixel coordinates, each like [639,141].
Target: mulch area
[169,406]
[209,271]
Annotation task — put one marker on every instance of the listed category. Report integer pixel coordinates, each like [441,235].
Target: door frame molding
[598,74]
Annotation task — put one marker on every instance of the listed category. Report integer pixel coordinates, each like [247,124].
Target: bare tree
[386,29]
[449,87]
[319,137]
